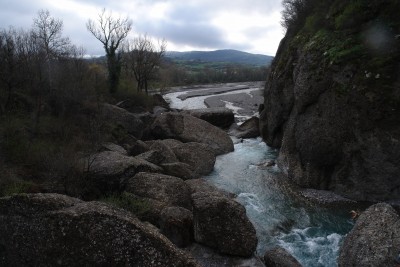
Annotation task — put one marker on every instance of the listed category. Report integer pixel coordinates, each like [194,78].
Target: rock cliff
[332,99]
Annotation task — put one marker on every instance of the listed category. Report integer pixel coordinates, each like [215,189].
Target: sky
[248,25]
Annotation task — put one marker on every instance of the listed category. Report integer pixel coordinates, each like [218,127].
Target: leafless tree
[142,57]
[48,33]
[111,32]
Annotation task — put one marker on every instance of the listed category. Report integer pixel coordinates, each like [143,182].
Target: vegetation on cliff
[332,98]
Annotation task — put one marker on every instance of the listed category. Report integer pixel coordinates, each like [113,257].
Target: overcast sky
[248,25]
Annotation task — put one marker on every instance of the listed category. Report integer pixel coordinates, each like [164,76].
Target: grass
[18,187]
[127,201]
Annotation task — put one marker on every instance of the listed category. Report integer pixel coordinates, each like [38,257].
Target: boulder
[158,100]
[248,129]
[374,240]
[323,198]
[207,256]
[218,116]
[165,150]
[138,147]
[177,224]
[170,190]
[172,143]
[178,169]
[110,169]
[279,257]
[131,106]
[56,230]
[153,156]
[157,110]
[200,157]
[120,117]
[115,148]
[201,185]
[221,223]
[187,128]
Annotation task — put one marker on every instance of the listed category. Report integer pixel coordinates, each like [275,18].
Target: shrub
[295,13]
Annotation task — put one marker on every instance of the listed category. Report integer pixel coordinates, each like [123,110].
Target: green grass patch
[127,201]
[18,187]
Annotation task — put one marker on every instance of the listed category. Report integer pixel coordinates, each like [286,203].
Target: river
[312,235]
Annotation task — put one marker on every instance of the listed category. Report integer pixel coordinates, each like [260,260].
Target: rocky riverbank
[155,168]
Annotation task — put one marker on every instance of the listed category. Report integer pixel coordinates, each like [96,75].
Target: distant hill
[226,55]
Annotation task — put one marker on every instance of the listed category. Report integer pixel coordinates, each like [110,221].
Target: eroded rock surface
[56,230]
[187,128]
[279,257]
[221,223]
[336,115]
[374,240]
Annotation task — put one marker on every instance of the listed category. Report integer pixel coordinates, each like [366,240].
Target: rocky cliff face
[332,99]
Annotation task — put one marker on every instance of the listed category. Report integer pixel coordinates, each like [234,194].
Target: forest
[51,95]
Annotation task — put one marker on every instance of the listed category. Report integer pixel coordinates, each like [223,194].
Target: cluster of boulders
[158,162]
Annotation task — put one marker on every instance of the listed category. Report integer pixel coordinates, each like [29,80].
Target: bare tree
[48,33]
[142,57]
[111,32]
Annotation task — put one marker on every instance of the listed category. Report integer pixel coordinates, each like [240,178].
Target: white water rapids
[312,235]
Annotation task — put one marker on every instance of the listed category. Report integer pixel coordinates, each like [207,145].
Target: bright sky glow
[248,25]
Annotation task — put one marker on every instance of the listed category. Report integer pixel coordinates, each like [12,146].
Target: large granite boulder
[178,169]
[201,185]
[164,150]
[219,116]
[109,170]
[177,224]
[200,157]
[170,190]
[374,240]
[207,256]
[187,128]
[120,117]
[279,257]
[221,223]
[56,230]
[114,147]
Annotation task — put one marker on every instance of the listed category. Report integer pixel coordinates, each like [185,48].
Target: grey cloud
[191,33]
[187,23]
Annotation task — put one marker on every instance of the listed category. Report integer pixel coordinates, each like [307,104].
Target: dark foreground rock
[56,230]
[279,257]
[221,223]
[208,257]
[219,116]
[177,224]
[187,128]
[374,240]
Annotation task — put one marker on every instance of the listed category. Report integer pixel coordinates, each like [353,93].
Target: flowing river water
[312,235]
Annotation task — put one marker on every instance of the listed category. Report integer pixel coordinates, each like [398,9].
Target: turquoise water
[311,235]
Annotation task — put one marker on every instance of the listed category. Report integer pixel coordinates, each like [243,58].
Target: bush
[295,13]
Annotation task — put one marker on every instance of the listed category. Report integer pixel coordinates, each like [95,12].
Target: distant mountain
[226,55]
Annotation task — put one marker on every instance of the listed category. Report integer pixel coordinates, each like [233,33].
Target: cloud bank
[248,25]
